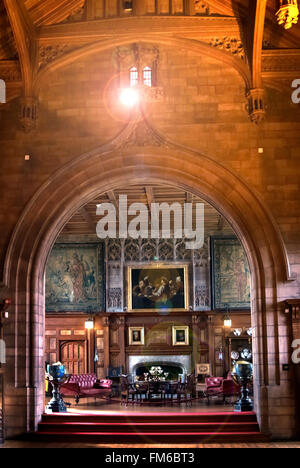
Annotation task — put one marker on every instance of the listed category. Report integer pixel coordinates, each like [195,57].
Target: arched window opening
[134,77]
[147,76]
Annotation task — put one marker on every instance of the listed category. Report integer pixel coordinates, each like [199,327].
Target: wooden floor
[88,405]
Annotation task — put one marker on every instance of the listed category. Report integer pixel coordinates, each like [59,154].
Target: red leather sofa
[86,385]
[218,386]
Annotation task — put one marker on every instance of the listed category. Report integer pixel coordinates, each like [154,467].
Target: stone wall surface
[203,109]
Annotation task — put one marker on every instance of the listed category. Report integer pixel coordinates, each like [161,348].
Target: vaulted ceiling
[49,12]
[28,25]
[83,224]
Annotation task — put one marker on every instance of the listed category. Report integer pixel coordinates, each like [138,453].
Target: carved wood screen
[73,356]
[120,254]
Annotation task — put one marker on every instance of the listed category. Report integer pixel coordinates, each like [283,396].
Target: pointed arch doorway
[104,169]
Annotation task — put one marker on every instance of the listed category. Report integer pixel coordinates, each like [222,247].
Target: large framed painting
[231,281]
[158,288]
[75,278]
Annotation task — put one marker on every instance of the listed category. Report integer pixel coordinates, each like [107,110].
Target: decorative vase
[56,375]
[242,374]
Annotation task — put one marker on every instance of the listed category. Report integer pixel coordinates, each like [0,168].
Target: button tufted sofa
[86,385]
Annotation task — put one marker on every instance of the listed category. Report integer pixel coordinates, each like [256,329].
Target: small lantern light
[227,320]
[89,324]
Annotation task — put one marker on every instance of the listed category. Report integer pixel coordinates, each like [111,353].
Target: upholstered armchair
[230,390]
[214,387]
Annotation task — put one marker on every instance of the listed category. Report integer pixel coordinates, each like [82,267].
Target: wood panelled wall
[112,8]
[68,341]
[122,253]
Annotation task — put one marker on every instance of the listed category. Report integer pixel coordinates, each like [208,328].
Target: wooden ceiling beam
[150,197]
[113,199]
[87,218]
[259,26]
[25,36]
[221,223]
[56,11]
[189,197]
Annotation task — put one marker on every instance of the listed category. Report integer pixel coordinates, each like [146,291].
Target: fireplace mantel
[185,361]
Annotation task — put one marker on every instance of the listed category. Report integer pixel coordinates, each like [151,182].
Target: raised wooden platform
[150,428]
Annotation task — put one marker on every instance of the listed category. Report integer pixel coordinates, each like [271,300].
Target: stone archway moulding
[121,162]
[198,47]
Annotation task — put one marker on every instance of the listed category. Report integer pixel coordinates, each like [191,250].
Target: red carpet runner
[147,428]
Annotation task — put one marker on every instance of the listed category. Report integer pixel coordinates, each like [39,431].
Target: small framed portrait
[203,369]
[136,336]
[181,336]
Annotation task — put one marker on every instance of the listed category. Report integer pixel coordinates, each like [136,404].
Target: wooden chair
[190,388]
[142,389]
[128,391]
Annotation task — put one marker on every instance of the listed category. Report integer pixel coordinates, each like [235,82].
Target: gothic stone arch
[141,160]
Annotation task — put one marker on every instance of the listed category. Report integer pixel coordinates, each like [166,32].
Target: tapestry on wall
[231,282]
[75,278]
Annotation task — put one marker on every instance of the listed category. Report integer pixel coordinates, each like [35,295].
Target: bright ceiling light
[129,97]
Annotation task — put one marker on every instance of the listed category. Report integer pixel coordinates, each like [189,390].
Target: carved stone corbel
[256,105]
[28,113]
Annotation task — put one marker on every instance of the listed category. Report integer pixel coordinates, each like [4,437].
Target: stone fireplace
[184,362]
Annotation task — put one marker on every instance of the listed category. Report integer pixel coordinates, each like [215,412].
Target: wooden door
[73,356]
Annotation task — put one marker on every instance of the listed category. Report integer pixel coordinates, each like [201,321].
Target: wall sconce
[227,321]
[89,324]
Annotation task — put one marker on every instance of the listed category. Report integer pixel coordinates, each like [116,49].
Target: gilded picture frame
[158,288]
[136,336]
[181,336]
